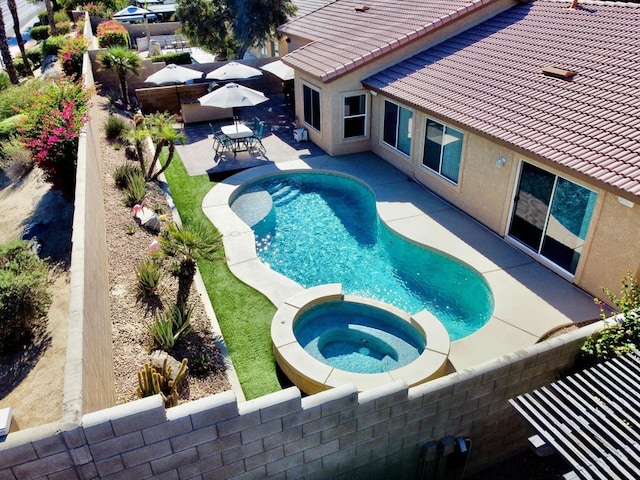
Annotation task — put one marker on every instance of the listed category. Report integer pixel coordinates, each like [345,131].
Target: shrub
[52,45]
[148,276]
[13,99]
[71,55]
[122,172]
[179,58]
[4,80]
[112,33]
[135,189]
[170,326]
[24,298]
[43,18]
[151,382]
[53,120]
[202,365]
[15,160]
[40,33]
[98,9]
[18,63]
[9,126]
[35,55]
[63,28]
[114,126]
[621,337]
[60,16]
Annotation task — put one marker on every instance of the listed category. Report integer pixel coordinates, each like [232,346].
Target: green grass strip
[243,313]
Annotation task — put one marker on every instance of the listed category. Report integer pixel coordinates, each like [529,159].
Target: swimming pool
[319,228]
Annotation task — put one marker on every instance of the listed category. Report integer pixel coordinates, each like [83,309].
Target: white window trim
[367,109]
[438,172]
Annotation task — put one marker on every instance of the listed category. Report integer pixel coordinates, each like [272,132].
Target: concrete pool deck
[529,299]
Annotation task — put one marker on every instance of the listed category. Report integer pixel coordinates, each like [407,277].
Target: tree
[13,8]
[163,135]
[231,27]
[122,61]
[6,53]
[50,19]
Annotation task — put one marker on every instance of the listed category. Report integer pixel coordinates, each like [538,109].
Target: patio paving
[199,157]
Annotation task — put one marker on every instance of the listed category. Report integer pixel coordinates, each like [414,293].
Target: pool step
[284,195]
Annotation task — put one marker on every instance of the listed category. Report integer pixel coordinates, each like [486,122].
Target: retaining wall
[339,433]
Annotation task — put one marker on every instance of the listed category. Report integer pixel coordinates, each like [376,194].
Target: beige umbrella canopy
[233,95]
[279,69]
[233,71]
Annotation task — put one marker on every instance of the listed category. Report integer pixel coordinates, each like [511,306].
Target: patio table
[238,133]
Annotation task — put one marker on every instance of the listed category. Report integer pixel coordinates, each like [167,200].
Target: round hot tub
[323,339]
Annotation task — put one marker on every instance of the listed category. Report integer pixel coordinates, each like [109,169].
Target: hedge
[179,58]
[40,33]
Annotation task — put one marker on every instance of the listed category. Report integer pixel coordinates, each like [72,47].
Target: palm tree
[52,23]
[13,8]
[6,53]
[163,135]
[122,61]
[187,244]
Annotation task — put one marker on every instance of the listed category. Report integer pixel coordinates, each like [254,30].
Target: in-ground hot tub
[323,339]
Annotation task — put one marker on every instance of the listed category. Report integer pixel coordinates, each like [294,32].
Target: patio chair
[222,143]
[254,143]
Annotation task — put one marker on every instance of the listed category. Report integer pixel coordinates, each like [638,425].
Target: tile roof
[490,79]
[344,39]
[308,6]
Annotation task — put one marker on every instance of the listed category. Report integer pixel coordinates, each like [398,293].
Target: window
[311,99]
[551,216]
[397,127]
[443,150]
[355,116]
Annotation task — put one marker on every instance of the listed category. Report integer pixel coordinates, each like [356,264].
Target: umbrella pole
[179,105]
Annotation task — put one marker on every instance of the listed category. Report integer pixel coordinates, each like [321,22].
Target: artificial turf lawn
[243,313]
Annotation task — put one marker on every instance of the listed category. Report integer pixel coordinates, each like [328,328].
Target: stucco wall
[339,433]
[614,248]
[88,381]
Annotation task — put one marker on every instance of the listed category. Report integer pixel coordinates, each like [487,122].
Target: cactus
[151,382]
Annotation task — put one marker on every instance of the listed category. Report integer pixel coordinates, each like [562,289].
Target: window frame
[364,115]
[397,131]
[317,110]
[438,172]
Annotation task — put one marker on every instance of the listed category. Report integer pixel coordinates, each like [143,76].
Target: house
[525,115]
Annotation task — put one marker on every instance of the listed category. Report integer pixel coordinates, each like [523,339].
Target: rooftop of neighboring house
[308,6]
[491,79]
[345,34]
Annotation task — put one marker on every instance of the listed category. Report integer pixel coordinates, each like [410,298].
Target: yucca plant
[148,275]
[171,325]
[114,127]
[136,188]
[122,173]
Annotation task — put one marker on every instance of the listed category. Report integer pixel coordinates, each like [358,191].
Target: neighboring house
[524,115]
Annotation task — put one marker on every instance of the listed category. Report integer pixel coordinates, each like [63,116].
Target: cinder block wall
[339,433]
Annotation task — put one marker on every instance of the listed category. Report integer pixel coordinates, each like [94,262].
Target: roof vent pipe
[362,8]
[574,4]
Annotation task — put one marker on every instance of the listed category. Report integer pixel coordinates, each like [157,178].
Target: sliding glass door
[551,216]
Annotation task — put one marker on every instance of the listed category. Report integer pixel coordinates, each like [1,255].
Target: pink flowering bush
[53,121]
[70,56]
[112,33]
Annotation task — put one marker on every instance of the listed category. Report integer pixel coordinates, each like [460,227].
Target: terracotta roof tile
[490,79]
[340,36]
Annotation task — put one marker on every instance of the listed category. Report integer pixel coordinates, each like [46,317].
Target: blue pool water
[321,228]
[357,338]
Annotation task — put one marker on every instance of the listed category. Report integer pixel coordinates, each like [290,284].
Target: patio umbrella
[133,13]
[279,69]
[233,96]
[173,74]
[233,71]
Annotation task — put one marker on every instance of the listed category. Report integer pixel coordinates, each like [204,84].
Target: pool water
[324,228]
[358,338]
